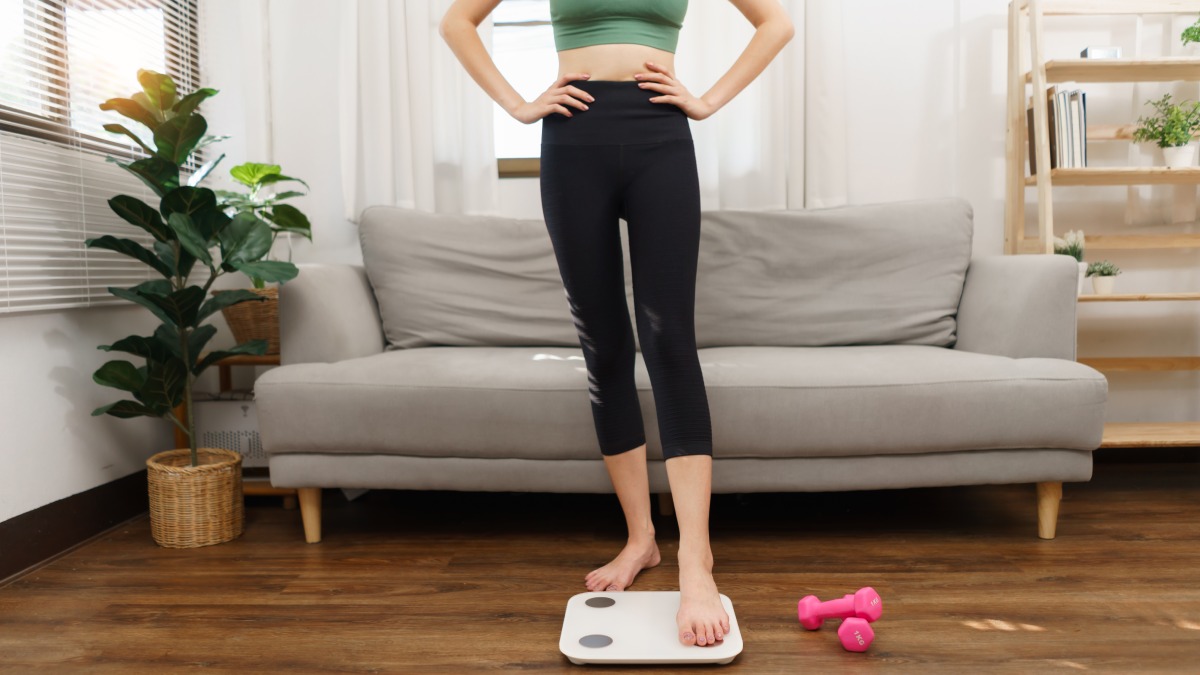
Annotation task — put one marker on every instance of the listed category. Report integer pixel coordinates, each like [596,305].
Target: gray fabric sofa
[842,349]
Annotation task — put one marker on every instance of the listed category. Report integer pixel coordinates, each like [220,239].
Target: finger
[571,101]
[665,99]
[661,69]
[655,86]
[561,109]
[576,91]
[567,77]
[647,77]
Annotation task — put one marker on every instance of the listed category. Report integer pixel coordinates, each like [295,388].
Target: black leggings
[626,157]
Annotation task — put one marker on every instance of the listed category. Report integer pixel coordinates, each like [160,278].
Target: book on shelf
[1066,122]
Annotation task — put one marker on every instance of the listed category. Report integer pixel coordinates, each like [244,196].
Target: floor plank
[450,582]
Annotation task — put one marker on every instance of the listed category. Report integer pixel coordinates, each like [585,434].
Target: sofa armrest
[328,313]
[1019,306]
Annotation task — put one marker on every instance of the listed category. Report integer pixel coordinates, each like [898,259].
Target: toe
[613,587]
[710,635]
[687,637]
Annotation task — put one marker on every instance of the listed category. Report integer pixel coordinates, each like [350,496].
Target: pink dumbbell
[863,604]
[856,634]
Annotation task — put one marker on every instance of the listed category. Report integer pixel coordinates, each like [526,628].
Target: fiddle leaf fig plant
[189,225]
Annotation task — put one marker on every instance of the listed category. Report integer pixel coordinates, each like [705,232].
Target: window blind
[59,60]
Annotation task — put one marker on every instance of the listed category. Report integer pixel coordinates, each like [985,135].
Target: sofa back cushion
[877,274]
[464,280]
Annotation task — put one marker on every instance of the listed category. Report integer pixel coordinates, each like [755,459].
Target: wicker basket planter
[193,506]
[255,320]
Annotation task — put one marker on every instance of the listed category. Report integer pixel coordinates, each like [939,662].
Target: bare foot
[618,574]
[702,619]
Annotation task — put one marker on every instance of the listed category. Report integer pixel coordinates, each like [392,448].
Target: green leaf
[198,339]
[226,298]
[290,219]
[142,300]
[176,307]
[120,129]
[147,347]
[125,409]
[286,195]
[189,103]
[255,347]
[203,171]
[245,239]
[130,109]
[200,203]
[149,106]
[136,212]
[181,223]
[164,386]
[120,375]
[251,174]
[159,88]
[177,137]
[269,270]
[279,178]
[157,173]
[132,249]
[167,335]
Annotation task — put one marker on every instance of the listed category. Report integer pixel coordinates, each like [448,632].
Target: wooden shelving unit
[1025,32]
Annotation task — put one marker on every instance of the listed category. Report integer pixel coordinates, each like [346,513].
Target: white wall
[925,101]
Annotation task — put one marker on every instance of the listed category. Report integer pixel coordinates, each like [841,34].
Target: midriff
[617,61]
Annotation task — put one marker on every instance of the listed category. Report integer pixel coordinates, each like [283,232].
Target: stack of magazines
[1067,122]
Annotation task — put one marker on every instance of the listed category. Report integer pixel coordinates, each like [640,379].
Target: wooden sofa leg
[1049,495]
[310,513]
[666,506]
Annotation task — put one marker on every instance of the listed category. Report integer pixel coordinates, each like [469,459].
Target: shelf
[1150,434]
[1137,297]
[1116,132]
[1114,7]
[247,359]
[1141,364]
[1166,69]
[1115,242]
[1125,175]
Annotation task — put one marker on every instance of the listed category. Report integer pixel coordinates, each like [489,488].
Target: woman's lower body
[627,157]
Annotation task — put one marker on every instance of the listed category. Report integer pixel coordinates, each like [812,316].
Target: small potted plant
[260,320]
[1072,244]
[1171,128]
[1103,274]
[195,493]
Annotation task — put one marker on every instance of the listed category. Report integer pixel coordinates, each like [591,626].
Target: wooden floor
[448,582]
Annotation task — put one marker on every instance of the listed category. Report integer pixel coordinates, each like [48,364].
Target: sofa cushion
[878,274]
[854,275]
[465,280]
[765,402]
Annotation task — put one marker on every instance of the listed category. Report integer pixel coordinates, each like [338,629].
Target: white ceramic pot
[1180,157]
[1082,274]
[1103,285]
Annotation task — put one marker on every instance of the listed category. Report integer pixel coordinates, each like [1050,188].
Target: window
[59,59]
[523,49]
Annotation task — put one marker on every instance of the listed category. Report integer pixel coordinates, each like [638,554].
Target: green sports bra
[579,23]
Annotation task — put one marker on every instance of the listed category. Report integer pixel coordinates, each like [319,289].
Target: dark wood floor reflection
[449,582]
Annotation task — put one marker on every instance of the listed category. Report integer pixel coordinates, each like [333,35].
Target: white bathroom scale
[637,627]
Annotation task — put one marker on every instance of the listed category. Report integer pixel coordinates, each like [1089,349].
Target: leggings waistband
[622,113]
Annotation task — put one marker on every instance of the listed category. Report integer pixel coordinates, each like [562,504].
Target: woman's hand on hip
[555,100]
[662,80]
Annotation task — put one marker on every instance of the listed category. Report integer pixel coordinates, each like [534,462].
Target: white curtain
[415,129]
